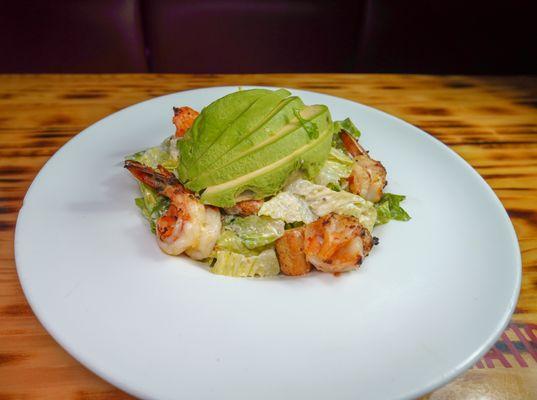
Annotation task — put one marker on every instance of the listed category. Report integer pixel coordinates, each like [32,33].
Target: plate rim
[433,384]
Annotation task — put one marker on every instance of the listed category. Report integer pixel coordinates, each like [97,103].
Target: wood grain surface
[490,121]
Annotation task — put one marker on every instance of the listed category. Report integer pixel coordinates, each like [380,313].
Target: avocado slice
[246,144]
[269,179]
[285,140]
[278,118]
[233,131]
[210,124]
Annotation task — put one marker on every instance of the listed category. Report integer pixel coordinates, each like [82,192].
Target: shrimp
[187,226]
[368,176]
[245,208]
[336,243]
[210,231]
[183,118]
[290,251]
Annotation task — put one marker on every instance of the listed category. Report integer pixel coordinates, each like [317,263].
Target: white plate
[428,302]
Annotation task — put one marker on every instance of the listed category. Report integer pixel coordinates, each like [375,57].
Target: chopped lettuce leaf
[323,201]
[388,208]
[255,231]
[287,207]
[152,205]
[346,125]
[166,155]
[365,214]
[235,264]
[341,156]
[338,166]
[229,241]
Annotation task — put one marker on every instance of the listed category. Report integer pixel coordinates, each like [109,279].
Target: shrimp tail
[183,118]
[351,144]
[159,179]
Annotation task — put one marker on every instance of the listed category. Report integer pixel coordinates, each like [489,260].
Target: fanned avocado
[274,126]
[251,154]
[210,124]
[252,119]
[285,140]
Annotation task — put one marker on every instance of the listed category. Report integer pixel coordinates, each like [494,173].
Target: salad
[260,184]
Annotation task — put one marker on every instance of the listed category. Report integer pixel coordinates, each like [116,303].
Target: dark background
[232,36]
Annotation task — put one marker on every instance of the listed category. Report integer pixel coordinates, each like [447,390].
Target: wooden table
[490,121]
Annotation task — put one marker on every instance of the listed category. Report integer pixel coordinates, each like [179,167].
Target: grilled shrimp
[290,251]
[210,230]
[336,243]
[245,208]
[368,176]
[187,226]
[183,118]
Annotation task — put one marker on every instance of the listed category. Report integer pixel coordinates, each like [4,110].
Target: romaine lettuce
[323,201]
[346,125]
[338,166]
[255,231]
[287,207]
[388,208]
[166,154]
[152,205]
[235,264]
[229,241]
[341,156]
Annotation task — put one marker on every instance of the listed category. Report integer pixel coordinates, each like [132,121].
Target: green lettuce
[287,207]
[166,154]
[255,231]
[337,167]
[388,208]
[323,201]
[232,258]
[229,241]
[344,125]
[348,126]
[152,205]
[340,156]
[235,264]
